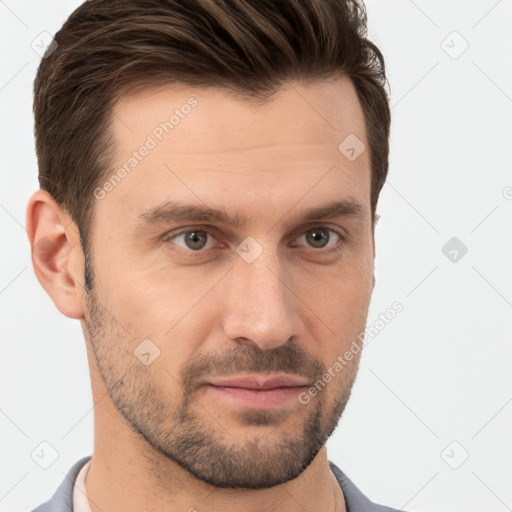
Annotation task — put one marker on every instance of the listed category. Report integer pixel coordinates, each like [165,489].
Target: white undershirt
[80,501]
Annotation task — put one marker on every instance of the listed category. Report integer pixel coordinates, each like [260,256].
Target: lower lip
[258,399]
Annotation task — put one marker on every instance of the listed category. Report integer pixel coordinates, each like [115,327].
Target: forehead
[209,146]
[212,119]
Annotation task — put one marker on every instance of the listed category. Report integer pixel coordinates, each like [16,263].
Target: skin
[159,431]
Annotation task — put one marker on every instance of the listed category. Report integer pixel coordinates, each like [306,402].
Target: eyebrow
[174,211]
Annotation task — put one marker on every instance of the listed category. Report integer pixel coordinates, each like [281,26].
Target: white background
[438,373]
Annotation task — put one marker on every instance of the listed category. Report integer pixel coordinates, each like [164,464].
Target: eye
[319,238]
[194,239]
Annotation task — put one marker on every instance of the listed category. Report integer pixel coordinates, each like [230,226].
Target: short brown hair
[108,47]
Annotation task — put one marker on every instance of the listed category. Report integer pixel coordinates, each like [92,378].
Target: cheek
[343,308]
[343,292]
[171,314]
[348,319]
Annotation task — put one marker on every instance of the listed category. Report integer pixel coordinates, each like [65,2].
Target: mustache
[250,358]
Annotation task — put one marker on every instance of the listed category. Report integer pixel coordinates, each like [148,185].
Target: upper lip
[261,381]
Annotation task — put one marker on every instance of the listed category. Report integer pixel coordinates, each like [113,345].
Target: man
[209,176]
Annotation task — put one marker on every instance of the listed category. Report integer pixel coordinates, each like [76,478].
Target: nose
[261,305]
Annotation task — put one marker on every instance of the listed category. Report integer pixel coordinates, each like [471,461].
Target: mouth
[259,391]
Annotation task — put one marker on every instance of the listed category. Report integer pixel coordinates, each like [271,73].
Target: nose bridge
[260,307]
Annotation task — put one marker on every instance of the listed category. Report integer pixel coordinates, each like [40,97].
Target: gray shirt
[62,500]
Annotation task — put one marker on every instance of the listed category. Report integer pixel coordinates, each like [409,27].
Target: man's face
[271,294]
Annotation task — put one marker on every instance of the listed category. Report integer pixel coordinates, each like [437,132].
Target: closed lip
[261,381]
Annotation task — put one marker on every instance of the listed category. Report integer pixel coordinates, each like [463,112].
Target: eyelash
[170,236]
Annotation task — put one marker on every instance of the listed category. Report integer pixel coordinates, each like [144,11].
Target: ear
[57,255]
[376,219]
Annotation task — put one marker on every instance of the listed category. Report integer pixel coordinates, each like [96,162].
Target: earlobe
[56,253]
